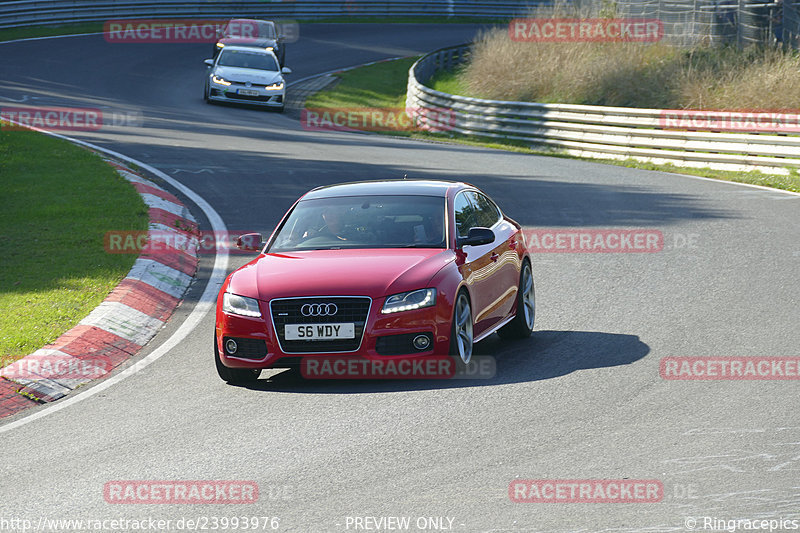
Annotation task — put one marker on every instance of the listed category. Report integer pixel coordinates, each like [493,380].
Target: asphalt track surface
[582,399]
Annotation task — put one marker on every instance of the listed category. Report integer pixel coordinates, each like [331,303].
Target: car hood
[253,75]
[373,273]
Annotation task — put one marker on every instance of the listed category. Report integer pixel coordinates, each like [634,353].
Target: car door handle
[513,244]
[494,257]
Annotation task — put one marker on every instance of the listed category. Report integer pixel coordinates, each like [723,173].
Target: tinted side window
[266,30]
[465,214]
[486,213]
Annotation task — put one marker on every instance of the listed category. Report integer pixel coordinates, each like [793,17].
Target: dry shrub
[728,78]
[654,75]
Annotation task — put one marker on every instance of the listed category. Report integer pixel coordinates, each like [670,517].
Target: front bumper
[220,93]
[385,337]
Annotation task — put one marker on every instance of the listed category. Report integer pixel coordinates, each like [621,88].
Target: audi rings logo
[319,309]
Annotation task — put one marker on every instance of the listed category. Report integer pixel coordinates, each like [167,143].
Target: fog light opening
[422,342]
[231,346]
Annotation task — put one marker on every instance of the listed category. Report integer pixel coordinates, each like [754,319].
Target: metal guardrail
[690,22]
[40,12]
[592,131]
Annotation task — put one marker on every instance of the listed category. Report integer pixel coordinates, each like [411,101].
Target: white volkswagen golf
[246,75]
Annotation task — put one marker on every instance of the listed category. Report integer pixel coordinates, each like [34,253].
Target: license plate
[319,332]
[248,92]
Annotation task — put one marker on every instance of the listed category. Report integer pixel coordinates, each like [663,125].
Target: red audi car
[379,270]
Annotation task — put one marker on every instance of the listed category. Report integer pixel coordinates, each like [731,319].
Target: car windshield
[249,29]
[244,59]
[363,222]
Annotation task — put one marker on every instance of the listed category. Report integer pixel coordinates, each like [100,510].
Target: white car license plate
[319,332]
[248,92]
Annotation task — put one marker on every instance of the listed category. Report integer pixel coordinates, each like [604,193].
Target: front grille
[234,96]
[247,348]
[401,344]
[350,309]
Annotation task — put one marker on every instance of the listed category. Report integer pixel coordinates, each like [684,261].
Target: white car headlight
[275,86]
[220,81]
[240,305]
[408,301]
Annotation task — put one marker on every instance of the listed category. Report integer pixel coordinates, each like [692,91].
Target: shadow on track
[546,355]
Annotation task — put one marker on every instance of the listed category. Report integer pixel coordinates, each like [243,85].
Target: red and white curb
[119,327]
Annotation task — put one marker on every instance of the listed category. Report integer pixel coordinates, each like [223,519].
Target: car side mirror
[286,70]
[209,62]
[250,242]
[476,237]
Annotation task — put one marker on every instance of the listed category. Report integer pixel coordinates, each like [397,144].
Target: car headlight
[408,301]
[240,305]
[275,86]
[220,81]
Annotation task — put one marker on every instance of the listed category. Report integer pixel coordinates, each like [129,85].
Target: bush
[650,75]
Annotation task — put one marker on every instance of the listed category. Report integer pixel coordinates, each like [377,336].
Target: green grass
[58,202]
[787,183]
[384,86]
[449,81]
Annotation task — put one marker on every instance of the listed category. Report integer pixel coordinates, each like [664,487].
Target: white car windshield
[363,222]
[245,59]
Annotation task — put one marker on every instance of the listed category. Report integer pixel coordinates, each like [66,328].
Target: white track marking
[160,276]
[51,37]
[156,202]
[124,321]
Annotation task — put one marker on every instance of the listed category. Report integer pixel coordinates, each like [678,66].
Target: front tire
[234,376]
[461,336]
[521,326]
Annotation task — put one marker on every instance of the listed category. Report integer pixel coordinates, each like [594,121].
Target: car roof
[252,20]
[413,187]
[250,49]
